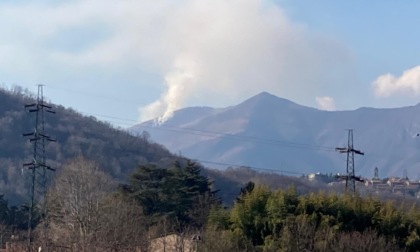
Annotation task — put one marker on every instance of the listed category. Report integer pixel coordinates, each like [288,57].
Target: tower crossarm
[350,151]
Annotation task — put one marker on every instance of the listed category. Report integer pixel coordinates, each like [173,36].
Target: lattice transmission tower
[38,167]
[350,177]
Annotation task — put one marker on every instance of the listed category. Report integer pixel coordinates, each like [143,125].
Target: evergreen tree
[179,194]
[4,209]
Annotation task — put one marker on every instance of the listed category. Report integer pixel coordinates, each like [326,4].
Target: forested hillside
[116,151]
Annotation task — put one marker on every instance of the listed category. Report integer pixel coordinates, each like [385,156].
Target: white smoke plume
[207,52]
[325,103]
[236,48]
[179,82]
[408,83]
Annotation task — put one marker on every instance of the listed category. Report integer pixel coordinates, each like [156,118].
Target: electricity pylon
[350,177]
[38,166]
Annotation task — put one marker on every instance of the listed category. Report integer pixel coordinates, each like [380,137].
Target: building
[174,243]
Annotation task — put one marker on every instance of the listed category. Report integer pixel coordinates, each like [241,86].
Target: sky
[127,61]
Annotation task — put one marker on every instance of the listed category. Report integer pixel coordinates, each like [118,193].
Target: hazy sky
[141,59]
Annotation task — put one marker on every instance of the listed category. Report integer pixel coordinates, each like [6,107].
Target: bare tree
[366,241]
[4,233]
[218,240]
[76,199]
[124,227]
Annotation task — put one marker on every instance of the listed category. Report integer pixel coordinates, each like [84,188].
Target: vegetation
[99,201]
[85,213]
[282,220]
[13,220]
[179,194]
[114,150]
[89,211]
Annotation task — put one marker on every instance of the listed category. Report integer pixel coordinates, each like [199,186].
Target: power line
[129,123]
[198,132]
[281,171]
[205,133]
[239,137]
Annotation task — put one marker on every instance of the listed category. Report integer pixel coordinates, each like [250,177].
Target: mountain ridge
[387,136]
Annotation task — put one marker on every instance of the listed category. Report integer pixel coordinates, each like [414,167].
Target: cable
[239,137]
[192,131]
[199,132]
[236,165]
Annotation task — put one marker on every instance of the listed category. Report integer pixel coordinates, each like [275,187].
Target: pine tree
[179,194]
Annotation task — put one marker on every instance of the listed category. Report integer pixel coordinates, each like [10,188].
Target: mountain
[269,132]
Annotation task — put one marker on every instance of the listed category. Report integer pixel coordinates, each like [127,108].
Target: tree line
[283,220]
[90,211]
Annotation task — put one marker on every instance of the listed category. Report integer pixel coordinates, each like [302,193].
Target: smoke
[214,52]
[225,50]
[179,85]
[325,103]
[408,83]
